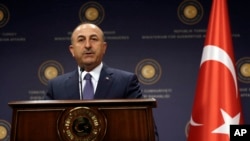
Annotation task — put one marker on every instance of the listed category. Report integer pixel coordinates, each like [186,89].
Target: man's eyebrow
[93,35]
[82,36]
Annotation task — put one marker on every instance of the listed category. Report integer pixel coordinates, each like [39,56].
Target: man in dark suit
[88,47]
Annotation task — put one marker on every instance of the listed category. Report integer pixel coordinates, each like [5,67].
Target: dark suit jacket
[112,84]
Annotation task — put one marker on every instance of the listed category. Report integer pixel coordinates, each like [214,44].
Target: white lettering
[240,132]
[237,132]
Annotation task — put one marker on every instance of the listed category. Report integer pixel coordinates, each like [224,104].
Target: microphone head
[81,69]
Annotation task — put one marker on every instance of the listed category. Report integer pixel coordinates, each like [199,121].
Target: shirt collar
[95,73]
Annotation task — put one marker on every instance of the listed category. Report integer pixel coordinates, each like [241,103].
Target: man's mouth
[88,52]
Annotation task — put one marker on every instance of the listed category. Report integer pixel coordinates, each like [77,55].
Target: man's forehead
[87,30]
[88,27]
[86,35]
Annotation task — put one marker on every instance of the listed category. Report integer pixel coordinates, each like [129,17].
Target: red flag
[217,100]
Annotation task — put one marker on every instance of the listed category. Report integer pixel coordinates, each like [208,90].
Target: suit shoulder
[64,76]
[121,72]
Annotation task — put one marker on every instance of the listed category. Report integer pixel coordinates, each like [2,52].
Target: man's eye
[80,40]
[94,39]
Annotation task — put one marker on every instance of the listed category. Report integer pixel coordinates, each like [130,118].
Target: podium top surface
[151,102]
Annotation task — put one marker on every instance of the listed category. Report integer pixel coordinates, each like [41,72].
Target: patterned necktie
[88,91]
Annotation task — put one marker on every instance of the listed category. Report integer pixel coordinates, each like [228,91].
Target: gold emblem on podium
[82,124]
[190,12]
[4,15]
[148,71]
[49,70]
[92,12]
[243,69]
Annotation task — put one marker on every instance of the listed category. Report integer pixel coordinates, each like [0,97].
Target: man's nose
[87,45]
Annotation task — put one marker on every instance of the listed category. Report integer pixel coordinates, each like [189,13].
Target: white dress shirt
[95,73]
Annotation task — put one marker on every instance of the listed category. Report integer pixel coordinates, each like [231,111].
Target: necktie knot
[87,76]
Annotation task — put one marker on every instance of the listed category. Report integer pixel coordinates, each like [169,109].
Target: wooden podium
[78,120]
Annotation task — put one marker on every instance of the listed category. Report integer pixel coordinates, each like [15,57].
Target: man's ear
[71,49]
[105,45]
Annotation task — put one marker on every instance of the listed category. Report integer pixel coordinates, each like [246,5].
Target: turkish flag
[217,100]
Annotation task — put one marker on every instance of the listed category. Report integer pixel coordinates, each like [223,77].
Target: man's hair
[82,23]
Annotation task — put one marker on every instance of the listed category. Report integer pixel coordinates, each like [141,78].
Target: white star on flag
[228,120]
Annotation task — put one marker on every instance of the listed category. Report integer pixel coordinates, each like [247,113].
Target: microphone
[81,93]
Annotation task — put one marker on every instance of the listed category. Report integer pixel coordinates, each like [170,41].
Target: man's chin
[88,61]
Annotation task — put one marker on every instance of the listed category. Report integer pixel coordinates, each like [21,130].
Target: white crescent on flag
[193,123]
[211,52]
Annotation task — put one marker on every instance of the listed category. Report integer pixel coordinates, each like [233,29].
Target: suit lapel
[104,83]
[72,85]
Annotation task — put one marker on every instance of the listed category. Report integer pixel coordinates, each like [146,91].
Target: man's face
[88,46]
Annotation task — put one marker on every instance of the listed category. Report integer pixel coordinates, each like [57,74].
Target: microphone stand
[81,93]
